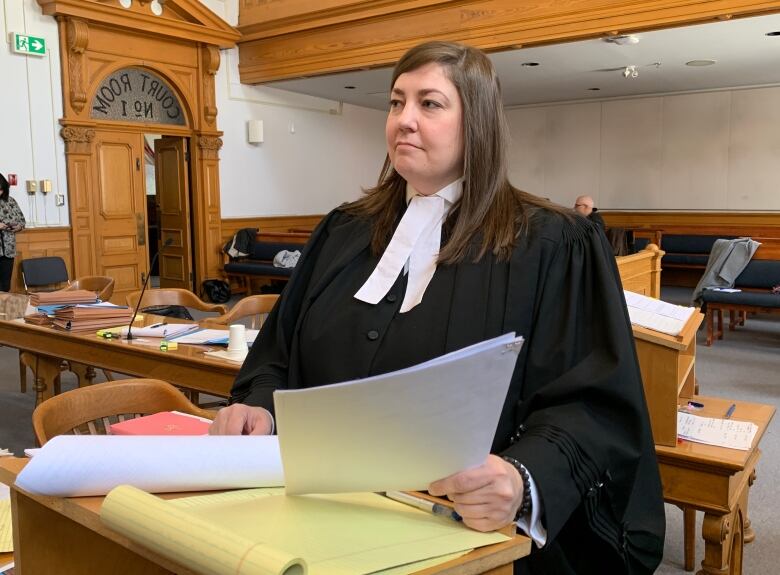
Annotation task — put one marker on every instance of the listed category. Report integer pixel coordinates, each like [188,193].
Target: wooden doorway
[120,210]
[173,217]
[127,71]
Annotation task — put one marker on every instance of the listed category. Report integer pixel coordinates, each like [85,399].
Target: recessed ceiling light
[593,89]
[775,33]
[349,87]
[700,63]
[529,64]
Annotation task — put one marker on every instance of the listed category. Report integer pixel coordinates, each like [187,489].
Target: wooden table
[65,536]
[187,366]
[717,481]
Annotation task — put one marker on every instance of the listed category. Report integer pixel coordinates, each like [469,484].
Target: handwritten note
[714,431]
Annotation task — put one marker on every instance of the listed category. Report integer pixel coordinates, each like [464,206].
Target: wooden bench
[755,282]
[258,265]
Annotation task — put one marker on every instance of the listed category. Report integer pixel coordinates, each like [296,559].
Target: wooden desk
[717,481]
[66,536]
[186,367]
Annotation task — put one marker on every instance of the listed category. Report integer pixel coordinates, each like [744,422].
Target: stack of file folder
[91,317]
[69,297]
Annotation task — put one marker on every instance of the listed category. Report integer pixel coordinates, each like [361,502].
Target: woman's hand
[487,497]
[3,226]
[239,419]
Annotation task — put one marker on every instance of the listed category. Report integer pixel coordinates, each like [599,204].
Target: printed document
[657,315]
[398,431]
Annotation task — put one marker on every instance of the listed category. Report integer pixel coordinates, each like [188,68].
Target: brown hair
[490,212]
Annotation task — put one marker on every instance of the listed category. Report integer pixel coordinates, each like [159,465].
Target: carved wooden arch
[98,37]
[185,103]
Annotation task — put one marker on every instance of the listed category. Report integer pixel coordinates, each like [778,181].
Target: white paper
[715,431]
[162,330]
[398,431]
[213,336]
[656,314]
[79,465]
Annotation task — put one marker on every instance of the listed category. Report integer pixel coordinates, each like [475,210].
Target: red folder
[163,423]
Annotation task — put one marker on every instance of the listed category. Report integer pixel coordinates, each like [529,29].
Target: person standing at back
[442,253]
[11,221]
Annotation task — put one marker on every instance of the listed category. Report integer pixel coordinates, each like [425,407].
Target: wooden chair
[103,286]
[255,306]
[173,296]
[92,410]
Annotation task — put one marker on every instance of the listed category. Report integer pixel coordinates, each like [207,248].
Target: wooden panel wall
[268,224]
[306,37]
[758,224]
[40,242]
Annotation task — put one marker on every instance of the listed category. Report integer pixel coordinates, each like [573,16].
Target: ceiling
[744,55]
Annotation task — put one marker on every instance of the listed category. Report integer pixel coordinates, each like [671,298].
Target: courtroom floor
[744,365]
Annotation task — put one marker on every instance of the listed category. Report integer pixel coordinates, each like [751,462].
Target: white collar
[451,192]
[415,246]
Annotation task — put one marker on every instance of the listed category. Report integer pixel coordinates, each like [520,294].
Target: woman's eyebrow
[423,92]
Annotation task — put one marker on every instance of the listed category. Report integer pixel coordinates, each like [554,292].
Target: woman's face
[424,134]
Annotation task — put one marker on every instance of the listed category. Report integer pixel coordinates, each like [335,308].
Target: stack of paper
[715,431]
[38,319]
[264,531]
[162,330]
[63,297]
[91,317]
[656,314]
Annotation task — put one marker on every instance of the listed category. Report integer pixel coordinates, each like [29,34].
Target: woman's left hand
[487,497]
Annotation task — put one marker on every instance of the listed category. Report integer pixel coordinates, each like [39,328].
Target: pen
[423,504]
[730,410]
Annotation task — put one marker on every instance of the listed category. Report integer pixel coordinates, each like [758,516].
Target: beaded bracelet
[525,506]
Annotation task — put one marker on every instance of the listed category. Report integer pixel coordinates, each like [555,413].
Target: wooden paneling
[40,242]
[307,37]
[278,224]
[187,20]
[755,224]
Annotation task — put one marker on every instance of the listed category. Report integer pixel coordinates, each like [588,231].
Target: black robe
[575,412]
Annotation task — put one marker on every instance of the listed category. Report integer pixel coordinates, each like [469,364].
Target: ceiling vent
[622,39]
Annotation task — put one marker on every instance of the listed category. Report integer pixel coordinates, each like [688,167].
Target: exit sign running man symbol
[32,45]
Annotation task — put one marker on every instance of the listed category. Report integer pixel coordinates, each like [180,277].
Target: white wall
[316,154]
[702,151]
[30,107]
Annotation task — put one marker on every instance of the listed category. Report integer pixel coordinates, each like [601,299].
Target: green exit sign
[24,44]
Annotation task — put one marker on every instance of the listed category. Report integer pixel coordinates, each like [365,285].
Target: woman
[11,221]
[573,453]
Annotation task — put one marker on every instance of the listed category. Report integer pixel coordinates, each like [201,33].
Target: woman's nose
[407,119]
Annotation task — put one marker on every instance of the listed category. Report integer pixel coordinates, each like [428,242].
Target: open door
[173,197]
[120,212]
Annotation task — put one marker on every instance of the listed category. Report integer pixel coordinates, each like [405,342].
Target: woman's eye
[431,104]
[395,104]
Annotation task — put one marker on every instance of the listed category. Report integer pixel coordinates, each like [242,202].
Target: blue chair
[46,272]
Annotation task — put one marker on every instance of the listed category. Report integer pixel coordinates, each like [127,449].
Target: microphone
[167,243]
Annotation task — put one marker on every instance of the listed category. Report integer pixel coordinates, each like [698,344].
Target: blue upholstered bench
[259,264]
[756,282]
[687,251]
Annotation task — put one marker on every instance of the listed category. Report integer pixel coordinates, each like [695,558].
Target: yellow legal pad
[264,532]
[6,534]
